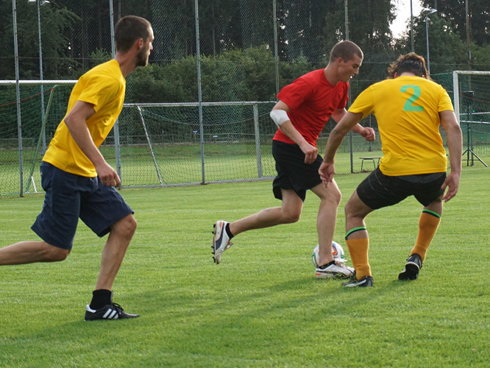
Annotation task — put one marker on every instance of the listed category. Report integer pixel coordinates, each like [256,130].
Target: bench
[373,159]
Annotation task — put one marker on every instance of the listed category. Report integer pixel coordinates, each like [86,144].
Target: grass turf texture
[261,307]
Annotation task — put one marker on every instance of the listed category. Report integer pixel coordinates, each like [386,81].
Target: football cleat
[221,240]
[110,311]
[366,281]
[334,270]
[412,268]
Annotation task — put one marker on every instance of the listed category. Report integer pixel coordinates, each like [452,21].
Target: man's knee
[50,253]
[335,197]
[126,226]
[329,195]
[290,217]
[355,208]
[350,210]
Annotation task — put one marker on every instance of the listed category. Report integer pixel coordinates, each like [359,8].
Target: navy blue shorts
[292,172]
[379,190]
[70,197]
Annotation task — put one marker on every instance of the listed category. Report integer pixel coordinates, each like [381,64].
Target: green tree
[453,11]
[56,23]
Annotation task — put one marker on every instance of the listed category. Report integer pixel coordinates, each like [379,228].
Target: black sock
[228,232]
[327,264]
[100,298]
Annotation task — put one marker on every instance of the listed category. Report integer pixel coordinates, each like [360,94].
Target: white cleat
[221,240]
[334,271]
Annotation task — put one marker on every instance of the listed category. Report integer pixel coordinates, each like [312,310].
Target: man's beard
[142,58]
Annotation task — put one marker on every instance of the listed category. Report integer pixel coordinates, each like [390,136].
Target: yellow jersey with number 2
[104,87]
[407,112]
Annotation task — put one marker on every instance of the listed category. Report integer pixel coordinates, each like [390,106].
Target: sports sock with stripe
[428,224]
[358,250]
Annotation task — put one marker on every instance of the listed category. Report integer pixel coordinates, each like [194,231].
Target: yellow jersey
[407,111]
[104,87]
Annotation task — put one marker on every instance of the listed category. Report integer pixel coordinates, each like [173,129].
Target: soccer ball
[337,253]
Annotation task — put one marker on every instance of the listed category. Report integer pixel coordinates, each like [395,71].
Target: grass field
[261,307]
[175,164]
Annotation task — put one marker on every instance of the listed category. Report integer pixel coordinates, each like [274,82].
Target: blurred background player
[303,109]
[409,108]
[78,182]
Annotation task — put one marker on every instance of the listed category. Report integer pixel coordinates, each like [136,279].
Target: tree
[56,23]
[453,11]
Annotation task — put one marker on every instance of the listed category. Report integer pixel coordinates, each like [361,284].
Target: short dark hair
[129,29]
[411,62]
[345,50]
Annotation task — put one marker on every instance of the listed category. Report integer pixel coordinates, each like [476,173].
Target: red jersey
[311,100]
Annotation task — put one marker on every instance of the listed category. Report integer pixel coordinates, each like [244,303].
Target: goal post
[471,95]
[462,82]
[231,143]
[25,122]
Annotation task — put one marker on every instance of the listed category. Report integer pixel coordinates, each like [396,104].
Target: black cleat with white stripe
[110,311]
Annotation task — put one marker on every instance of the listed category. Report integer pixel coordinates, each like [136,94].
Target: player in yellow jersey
[78,181]
[409,108]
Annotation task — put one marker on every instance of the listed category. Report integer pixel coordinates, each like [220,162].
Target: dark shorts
[292,172]
[379,190]
[70,197]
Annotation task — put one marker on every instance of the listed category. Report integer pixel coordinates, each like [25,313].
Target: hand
[327,172]
[452,185]
[310,152]
[369,134]
[107,175]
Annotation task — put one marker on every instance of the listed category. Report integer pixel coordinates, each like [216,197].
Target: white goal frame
[470,154]
[456,91]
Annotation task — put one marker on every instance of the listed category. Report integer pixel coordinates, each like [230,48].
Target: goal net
[151,145]
[186,143]
[471,94]
[25,132]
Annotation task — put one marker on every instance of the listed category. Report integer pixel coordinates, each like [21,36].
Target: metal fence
[211,59]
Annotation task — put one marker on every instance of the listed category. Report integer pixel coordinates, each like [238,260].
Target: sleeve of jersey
[97,91]
[363,104]
[294,94]
[445,103]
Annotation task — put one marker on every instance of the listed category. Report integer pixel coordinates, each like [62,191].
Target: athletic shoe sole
[411,272]
[364,282]
[219,232]
[331,275]
[412,268]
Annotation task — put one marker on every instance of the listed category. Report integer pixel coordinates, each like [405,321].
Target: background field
[261,307]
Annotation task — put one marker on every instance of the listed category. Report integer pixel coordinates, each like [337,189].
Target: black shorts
[379,190]
[70,197]
[292,172]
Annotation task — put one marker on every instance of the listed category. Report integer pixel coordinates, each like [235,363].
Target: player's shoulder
[106,74]
[312,77]
[108,69]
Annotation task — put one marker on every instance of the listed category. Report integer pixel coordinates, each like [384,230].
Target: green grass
[261,307]
[181,163]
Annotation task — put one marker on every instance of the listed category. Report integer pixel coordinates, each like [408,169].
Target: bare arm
[288,128]
[454,139]
[366,132]
[327,168]
[76,121]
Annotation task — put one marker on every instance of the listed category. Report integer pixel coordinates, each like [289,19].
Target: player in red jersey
[303,109]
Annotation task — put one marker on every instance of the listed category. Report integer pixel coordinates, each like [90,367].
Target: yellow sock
[428,224]
[358,250]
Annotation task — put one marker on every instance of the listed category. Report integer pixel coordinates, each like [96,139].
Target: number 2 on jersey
[409,104]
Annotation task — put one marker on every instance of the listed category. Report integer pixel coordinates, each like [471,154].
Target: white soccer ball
[337,253]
